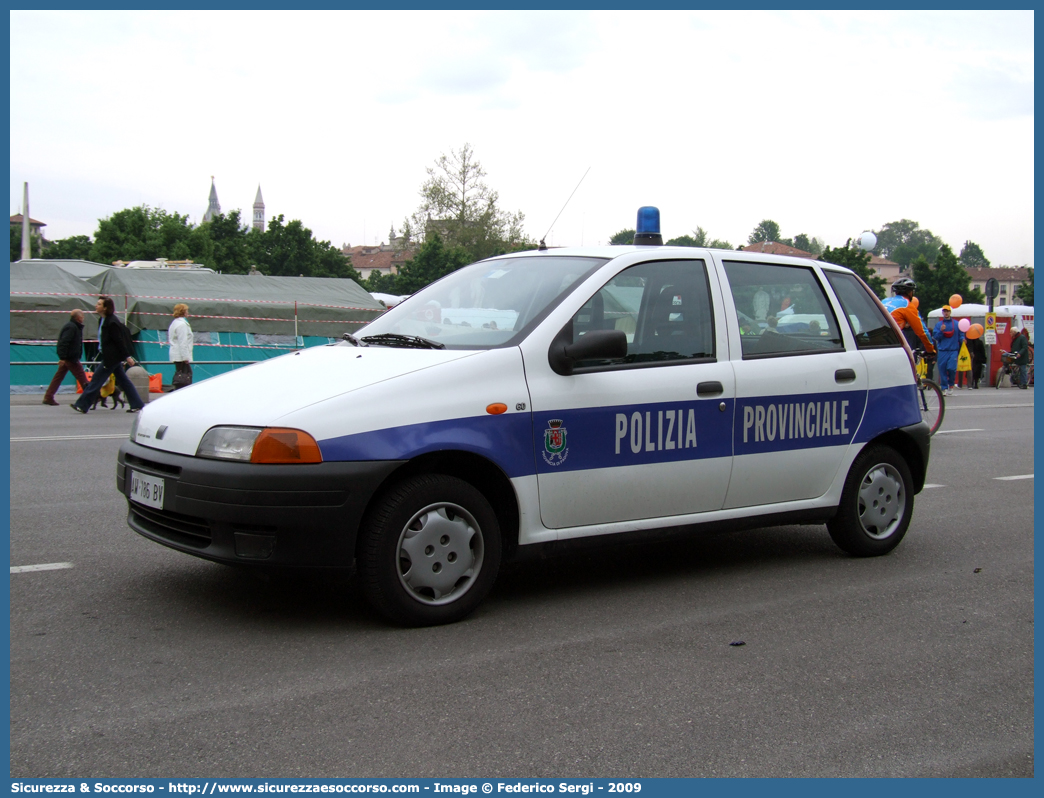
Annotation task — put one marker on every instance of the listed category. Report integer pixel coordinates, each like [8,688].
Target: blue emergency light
[647,232]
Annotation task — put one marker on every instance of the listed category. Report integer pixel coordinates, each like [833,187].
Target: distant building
[887,270]
[385,259]
[259,211]
[214,208]
[34,226]
[1009,278]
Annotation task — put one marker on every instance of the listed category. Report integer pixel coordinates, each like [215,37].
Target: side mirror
[594,345]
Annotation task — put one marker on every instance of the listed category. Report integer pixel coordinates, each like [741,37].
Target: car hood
[262,394]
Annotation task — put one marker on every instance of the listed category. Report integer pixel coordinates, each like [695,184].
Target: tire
[1000,376]
[876,504]
[442,523]
[933,405]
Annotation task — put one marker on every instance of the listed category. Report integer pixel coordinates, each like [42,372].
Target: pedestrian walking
[977,350]
[115,350]
[70,350]
[179,336]
[1020,348]
[948,340]
[964,367]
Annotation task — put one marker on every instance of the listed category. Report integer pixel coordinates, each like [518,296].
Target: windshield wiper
[407,341]
[352,340]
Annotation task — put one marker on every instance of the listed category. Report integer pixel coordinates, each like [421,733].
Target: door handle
[709,389]
[844,375]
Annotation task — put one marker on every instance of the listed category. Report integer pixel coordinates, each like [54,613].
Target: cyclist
[906,316]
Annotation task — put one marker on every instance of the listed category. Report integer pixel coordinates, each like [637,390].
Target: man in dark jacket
[116,349]
[70,350]
[977,350]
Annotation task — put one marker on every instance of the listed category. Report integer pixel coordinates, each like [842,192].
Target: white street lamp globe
[866,241]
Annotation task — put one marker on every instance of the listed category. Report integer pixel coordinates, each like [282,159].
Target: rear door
[801,384]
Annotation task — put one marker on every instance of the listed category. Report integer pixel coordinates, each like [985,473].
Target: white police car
[545,396]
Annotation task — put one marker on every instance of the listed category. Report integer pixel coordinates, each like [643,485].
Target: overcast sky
[829,123]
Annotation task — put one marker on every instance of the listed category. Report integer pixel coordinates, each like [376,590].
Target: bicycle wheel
[933,406]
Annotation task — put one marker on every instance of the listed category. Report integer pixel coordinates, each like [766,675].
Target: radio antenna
[543,246]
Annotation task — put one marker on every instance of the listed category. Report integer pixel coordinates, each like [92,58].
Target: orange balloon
[975,331]
[955,301]
[914,302]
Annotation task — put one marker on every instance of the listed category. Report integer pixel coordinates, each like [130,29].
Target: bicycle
[1008,369]
[930,395]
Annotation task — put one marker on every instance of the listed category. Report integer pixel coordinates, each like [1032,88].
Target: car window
[664,309]
[487,304]
[869,321]
[781,310]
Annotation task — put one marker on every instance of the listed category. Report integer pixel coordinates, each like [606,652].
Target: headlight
[134,427]
[228,443]
[269,445]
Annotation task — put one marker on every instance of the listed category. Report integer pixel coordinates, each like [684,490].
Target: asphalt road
[141,661]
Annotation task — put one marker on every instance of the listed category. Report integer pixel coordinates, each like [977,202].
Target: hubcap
[440,553]
[882,501]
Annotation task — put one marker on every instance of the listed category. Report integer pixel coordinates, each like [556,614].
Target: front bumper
[242,513]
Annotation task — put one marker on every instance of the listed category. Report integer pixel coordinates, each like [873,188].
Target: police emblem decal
[555,448]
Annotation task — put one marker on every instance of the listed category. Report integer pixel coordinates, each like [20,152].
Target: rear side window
[869,321]
[782,310]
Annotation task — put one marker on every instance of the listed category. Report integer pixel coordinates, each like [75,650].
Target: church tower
[259,211]
[214,207]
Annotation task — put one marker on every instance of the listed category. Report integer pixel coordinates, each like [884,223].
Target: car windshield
[484,305]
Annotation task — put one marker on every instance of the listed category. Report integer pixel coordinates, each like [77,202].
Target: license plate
[146,490]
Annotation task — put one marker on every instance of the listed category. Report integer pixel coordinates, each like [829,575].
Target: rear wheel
[933,406]
[876,504]
[429,551]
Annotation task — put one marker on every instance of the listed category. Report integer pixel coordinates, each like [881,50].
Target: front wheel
[429,551]
[876,504]
[933,405]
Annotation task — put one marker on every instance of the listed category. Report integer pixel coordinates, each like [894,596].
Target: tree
[683,241]
[858,261]
[937,282]
[72,248]
[457,203]
[972,256]
[699,238]
[813,246]
[16,244]
[767,230]
[289,250]
[1025,290]
[623,237]
[145,233]
[904,241]
[432,261]
[229,249]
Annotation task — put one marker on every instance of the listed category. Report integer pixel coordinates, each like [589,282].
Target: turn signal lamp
[278,445]
[647,231]
[496,409]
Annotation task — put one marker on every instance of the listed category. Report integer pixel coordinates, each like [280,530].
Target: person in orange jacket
[907,317]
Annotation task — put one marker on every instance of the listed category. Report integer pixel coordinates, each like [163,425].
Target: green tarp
[144,300]
[42,295]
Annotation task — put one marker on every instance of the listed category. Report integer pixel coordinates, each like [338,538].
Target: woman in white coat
[179,336]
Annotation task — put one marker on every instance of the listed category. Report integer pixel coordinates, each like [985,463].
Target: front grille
[152,465]
[185,530]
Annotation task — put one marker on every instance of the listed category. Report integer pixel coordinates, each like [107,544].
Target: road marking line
[980,407]
[951,431]
[68,438]
[49,566]
[929,485]
[1020,476]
